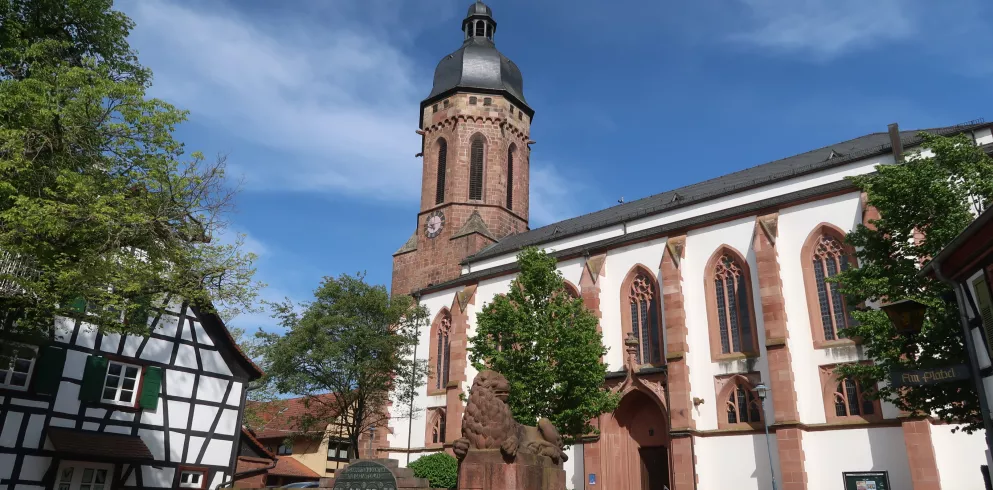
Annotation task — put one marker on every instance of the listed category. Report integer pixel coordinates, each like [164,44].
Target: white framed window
[16,365]
[83,476]
[192,478]
[121,384]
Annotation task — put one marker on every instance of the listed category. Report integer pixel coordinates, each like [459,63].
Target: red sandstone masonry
[681,408]
[920,454]
[460,360]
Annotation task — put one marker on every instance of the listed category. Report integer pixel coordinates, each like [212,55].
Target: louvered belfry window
[730,284]
[476,169]
[439,196]
[645,319]
[510,177]
[443,361]
[829,260]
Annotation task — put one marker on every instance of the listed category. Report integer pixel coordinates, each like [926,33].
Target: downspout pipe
[970,347]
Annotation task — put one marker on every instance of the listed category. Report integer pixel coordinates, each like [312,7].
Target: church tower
[476,129]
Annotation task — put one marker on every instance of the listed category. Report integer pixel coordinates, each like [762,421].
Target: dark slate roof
[787,168]
[478,65]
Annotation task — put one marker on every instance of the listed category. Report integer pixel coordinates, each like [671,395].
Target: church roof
[768,173]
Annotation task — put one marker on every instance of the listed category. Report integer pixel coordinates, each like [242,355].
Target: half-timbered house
[84,410]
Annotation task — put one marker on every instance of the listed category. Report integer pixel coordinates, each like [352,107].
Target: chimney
[895,142]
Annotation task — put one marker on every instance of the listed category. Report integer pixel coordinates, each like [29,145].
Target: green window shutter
[94,375]
[150,388]
[48,369]
[985,310]
[78,304]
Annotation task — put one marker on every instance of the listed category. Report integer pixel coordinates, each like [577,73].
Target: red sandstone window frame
[829,387]
[571,289]
[436,423]
[655,305]
[751,349]
[807,252]
[727,385]
[439,323]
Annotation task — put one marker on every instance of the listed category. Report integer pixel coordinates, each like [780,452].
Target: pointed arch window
[510,176]
[439,196]
[730,285]
[443,360]
[743,405]
[850,400]
[436,431]
[642,301]
[476,153]
[829,259]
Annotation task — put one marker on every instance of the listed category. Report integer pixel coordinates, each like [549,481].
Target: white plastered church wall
[830,453]
[747,469]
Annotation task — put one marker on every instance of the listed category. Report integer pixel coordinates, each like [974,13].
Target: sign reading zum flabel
[365,475]
[922,377]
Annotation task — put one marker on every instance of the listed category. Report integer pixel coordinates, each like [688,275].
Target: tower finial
[479,23]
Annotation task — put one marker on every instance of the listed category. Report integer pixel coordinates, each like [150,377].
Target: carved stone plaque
[365,475]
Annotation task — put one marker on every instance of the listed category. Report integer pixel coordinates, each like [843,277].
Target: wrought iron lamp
[906,315]
[762,390]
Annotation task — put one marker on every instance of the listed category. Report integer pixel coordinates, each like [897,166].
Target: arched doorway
[634,442]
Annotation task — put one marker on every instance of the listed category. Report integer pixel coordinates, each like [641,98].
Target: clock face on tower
[434,223]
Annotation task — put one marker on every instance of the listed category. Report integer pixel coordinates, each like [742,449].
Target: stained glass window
[733,318]
[645,319]
[743,405]
[443,361]
[850,399]
[829,260]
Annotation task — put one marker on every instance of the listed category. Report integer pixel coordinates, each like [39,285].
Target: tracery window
[730,285]
[510,177]
[439,196]
[829,259]
[438,428]
[743,404]
[643,301]
[850,399]
[476,152]
[443,360]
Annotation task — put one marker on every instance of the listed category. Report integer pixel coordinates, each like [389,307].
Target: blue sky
[314,102]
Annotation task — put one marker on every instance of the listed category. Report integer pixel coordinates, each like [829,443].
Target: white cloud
[823,29]
[331,94]
[554,196]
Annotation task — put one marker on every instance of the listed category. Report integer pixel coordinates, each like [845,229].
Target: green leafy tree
[935,197]
[546,343]
[441,469]
[346,353]
[101,208]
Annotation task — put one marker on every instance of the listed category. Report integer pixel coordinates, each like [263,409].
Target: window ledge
[111,406]
[735,356]
[830,344]
[436,391]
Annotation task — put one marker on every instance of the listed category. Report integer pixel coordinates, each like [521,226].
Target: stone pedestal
[485,469]
[404,477]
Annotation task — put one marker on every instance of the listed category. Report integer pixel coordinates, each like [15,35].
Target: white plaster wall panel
[122,416]
[211,389]
[179,413]
[958,457]
[6,465]
[28,487]
[61,422]
[193,449]
[795,225]
[747,469]
[227,423]
[67,399]
[218,479]
[118,429]
[571,270]
[203,417]
[96,412]
[186,357]
[213,362]
[63,329]
[91,426]
[185,329]
[110,342]
[11,426]
[574,469]
[218,452]
[700,246]
[167,325]
[87,336]
[829,453]
[983,136]
[154,417]
[179,383]
[485,293]
[132,480]
[32,436]
[176,442]
[202,337]
[594,236]
[131,345]
[28,403]
[154,439]
[157,350]
[988,385]
[619,262]
[234,397]
[34,467]
[157,477]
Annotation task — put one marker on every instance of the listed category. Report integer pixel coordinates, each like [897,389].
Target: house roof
[251,440]
[99,445]
[974,243]
[287,466]
[282,418]
[208,318]
[812,161]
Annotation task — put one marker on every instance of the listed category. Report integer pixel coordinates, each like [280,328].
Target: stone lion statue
[488,424]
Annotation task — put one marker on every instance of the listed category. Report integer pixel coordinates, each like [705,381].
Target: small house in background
[81,410]
[259,468]
[320,451]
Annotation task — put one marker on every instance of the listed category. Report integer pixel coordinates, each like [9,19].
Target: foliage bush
[441,469]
